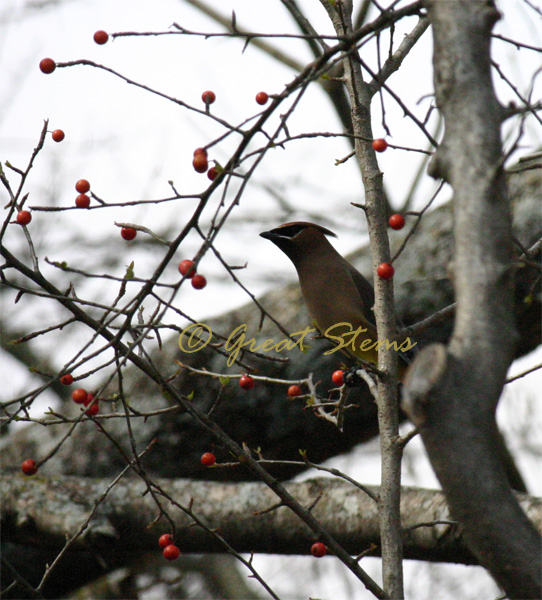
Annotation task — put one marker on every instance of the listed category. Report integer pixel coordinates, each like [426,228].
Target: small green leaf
[224,381]
[129,271]
[190,396]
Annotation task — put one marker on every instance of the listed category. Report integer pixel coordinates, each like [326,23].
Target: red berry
[338,377]
[128,233]
[101,37]
[208,459]
[246,382]
[93,410]
[200,163]
[385,271]
[318,549]
[29,467]
[82,186]
[262,98]
[208,97]
[198,282]
[212,173]
[58,135]
[165,540]
[66,379]
[397,221]
[79,396]
[82,201]
[47,65]
[294,390]
[24,217]
[200,151]
[171,552]
[187,268]
[380,145]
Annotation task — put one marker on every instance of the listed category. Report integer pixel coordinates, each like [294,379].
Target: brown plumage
[333,290]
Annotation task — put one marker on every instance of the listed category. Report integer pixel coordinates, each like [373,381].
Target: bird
[339,299]
[335,292]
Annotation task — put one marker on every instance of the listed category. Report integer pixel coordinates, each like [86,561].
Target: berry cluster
[201,164]
[169,549]
[187,269]
[81,396]
[83,187]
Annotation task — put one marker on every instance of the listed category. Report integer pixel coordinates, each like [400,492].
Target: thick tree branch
[452,393]
[52,509]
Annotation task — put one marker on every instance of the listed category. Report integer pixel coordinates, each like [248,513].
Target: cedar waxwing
[333,290]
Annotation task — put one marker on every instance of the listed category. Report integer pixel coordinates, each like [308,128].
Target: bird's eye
[289,231]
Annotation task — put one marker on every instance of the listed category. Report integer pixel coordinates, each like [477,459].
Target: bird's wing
[365,291]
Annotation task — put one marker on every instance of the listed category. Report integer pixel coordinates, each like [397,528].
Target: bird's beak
[268,235]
